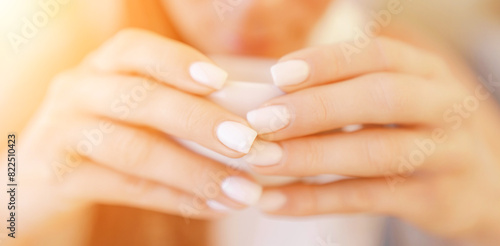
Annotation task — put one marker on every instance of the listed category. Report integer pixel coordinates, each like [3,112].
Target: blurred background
[469,27]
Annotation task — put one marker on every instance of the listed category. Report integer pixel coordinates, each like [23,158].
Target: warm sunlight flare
[249,122]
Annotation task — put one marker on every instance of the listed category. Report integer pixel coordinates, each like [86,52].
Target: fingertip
[241,190]
[269,119]
[290,72]
[208,74]
[236,136]
[265,154]
[218,207]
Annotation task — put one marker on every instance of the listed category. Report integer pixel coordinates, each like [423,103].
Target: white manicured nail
[236,136]
[264,154]
[271,201]
[269,119]
[352,128]
[208,74]
[290,72]
[217,206]
[241,190]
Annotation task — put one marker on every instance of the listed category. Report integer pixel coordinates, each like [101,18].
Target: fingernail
[208,74]
[264,154]
[269,119]
[236,136]
[217,206]
[290,72]
[271,201]
[352,128]
[241,190]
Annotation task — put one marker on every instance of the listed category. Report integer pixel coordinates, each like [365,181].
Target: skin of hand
[427,154]
[63,206]
[443,192]
[104,135]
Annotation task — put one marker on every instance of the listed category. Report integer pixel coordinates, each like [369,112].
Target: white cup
[249,86]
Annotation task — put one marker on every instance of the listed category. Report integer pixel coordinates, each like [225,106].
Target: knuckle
[337,57]
[306,201]
[428,194]
[136,186]
[384,94]
[135,149]
[380,152]
[321,108]
[313,205]
[207,181]
[460,145]
[439,65]
[314,156]
[62,83]
[383,46]
[359,199]
[195,116]
[64,87]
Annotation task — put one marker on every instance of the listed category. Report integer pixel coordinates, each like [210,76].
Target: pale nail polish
[265,154]
[352,128]
[236,136]
[290,72]
[269,119]
[271,201]
[241,190]
[208,74]
[217,206]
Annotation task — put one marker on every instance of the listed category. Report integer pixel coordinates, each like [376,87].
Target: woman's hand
[104,135]
[428,152]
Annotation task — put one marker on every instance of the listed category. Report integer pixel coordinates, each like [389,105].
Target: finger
[346,196]
[372,99]
[95,183]
[152,156]
[365,153]
[135,101]
[327,64]
[148,54]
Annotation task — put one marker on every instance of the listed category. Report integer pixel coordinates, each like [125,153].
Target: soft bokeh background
[471,27]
